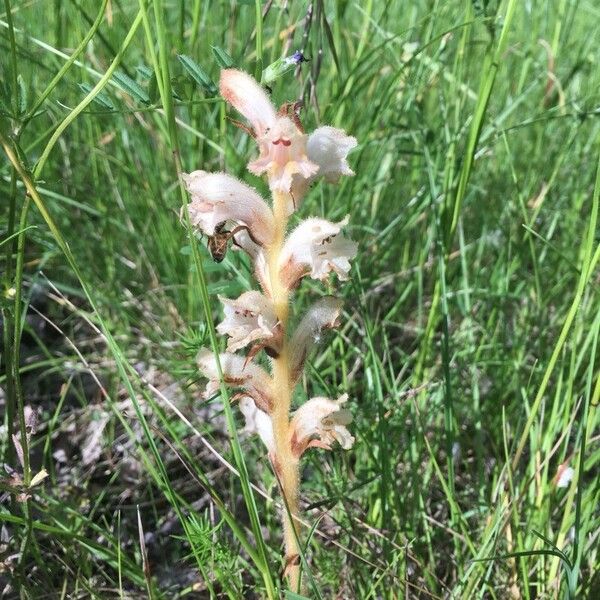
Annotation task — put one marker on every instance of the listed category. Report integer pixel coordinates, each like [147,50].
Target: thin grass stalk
[11,370]
[89,97]
[7,318]
[64,69]
[259,39]
[159,472]
[17,330]
[164,82]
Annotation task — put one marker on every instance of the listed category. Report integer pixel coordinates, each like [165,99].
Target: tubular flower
[250,318]
[218,198]
[258,421]
[328,148]
[283,156]
[320,422]
[249,99]
[316,248]
[259,320]
[291,159]
[323,314]
[254,380]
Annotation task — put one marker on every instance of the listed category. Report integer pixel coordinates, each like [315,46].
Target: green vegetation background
[469,344]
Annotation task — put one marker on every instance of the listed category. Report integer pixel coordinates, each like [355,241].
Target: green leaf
[178,86]
[153,91]
[223,58]
[131,87]
[101,99]
[198,74]
[145,71]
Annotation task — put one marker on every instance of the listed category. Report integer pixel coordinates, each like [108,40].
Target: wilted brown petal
[318,423]
[322,315]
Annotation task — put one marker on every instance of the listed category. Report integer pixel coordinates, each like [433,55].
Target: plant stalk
[285,463]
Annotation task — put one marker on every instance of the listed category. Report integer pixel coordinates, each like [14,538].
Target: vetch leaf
[131,87]
[101,99]
[223,58]
[145,71]
[198,74]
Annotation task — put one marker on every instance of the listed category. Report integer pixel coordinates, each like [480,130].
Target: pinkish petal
[283,157]
[248,98]
[218,198]
[237,373]
[249,318]
[258,421]
[316,248]
[321,420]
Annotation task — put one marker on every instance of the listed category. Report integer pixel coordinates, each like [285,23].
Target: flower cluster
[229,211]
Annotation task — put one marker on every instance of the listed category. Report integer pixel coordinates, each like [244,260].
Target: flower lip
[318,423]
[328,147]
[250,318]
[316,248]
[237,372]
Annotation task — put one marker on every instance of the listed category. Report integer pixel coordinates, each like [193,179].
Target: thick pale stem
[286,464]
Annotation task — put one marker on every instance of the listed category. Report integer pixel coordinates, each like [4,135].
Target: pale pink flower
[320,422]
[564,475]
[290,158]
[249,99]
[258,421]
[238,373]
[250,318]
[218,198]
[323,314]
[327,147]
[316,248]
[283,156]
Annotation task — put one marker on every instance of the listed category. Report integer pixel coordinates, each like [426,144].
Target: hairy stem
[286,465]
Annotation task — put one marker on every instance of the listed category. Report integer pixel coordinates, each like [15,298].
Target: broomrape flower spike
[229,211]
